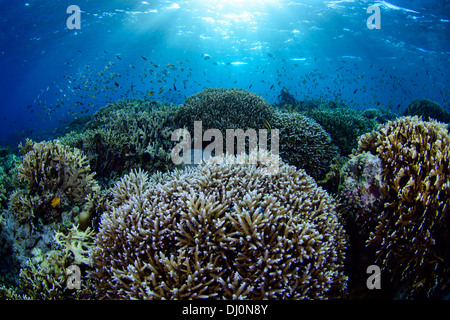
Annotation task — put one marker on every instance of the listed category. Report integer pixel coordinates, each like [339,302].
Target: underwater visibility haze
[93,90]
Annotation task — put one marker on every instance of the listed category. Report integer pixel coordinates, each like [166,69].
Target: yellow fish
[55,201]
[267,125]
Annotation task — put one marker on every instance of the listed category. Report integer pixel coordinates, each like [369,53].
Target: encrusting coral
[410,235]
[222,230]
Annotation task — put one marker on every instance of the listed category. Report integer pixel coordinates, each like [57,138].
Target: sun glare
[239,4]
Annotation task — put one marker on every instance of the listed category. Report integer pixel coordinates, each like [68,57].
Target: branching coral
[51,166]
[46,274]
[222,230]
[225,109]
[411,234]
[52,172]
[58,191]
[304,143]
[125,135]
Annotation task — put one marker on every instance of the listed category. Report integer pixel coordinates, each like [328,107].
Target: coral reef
[287,102]
[51,168]
[360,188]
[379,115]
[304,143]
[222,230]
[125,135]
[343,124]
[45,277]
[224,109]
[57,191]
[52,171]
[428,110]
[410,236]
[8,171]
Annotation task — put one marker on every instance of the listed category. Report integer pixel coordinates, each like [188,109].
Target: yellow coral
[54,174]
[410,238]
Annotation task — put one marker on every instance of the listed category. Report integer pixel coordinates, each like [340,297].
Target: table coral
[222,230]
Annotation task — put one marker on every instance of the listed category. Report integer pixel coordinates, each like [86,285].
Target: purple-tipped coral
[221,231]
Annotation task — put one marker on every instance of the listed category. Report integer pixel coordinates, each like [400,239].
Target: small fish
[118,57]
[144,58]
[169,65]
[151,93]
[355,91]
[206,56]
[270,55]
[131,66]
[267,125]
[55,201]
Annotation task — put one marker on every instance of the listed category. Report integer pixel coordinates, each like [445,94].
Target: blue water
[316,49]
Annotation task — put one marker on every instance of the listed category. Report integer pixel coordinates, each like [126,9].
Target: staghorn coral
[7,293]
[304,143]
[125,135]
[222,230]
[411,233]
[428,110]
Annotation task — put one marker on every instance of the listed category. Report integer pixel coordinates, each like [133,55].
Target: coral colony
[104,212]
